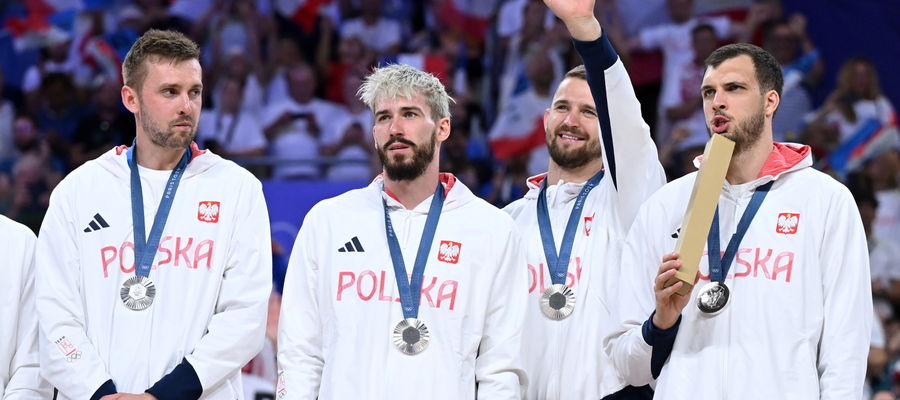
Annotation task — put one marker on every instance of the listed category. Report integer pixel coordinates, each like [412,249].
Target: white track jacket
[212,274]
[19,368]
[797,325]
[565,359]
[341,304]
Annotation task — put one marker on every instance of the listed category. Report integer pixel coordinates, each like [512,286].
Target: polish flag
[520,127]
[46,22]
[469,17]
[433,64]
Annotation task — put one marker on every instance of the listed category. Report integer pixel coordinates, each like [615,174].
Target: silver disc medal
[713,298]
[558,302]
[411,336]
[138,292]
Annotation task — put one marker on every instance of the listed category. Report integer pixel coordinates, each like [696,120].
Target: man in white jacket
[154,261]
[588,210]
[789,265]
[20,370]
[409,288]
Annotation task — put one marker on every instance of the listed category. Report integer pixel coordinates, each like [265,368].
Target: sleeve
[253,134]
[236,331]
[846,332]
[498,367]
[25,381]
[300,356]
[60,314]
[627,346]
[636,172]
[722,25]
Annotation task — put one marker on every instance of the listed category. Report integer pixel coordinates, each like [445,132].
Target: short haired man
[154,261]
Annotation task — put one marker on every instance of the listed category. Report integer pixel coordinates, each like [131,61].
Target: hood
[456,194]
[116,161]
[784,158]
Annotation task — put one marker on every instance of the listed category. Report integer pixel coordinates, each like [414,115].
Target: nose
[187,105]
[394,127]
[718,102]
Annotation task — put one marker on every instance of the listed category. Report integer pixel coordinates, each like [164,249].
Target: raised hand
[578,15]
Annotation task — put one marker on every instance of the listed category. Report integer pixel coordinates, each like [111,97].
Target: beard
[167,138]
[572,158]
[401,168]
[747,132]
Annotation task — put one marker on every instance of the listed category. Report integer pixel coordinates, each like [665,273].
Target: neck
[555,173]
[745,166]
[411,193]
[152,156]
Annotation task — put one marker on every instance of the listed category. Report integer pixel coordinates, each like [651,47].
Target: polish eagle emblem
[787,223]
[208,211]
[448,252]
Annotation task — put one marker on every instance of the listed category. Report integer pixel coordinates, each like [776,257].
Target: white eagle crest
[209,211]
[787,223]
[449,252]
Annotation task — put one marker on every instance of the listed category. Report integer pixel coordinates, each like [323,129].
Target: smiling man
[782,309]
[154,261]
[416,293]
[603,165]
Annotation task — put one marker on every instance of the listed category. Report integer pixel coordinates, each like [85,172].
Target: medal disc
[558,302]
[713,298]
[138,292]
[411,336]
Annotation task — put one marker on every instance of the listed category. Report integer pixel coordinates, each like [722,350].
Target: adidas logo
[351,246]
[96,224]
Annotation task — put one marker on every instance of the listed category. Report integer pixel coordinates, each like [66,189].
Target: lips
[720,124]
[397,144]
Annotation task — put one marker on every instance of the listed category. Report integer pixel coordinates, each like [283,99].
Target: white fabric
[798,323]
[379,37]
[20,369]
[212,274]
[565,359]
[295,140]
[247,131]
[339,309]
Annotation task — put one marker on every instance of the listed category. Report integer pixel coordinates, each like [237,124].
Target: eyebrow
[583,106]
[166,85]
[402,109]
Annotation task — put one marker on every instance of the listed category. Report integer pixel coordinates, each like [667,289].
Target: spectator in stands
[380,34]
[7,113]
[884,172]
[107,126]
[857,100]
[59,114]
[228,129]
[683,104]
[675,41]
[801,66]
[295,125]
[350,146]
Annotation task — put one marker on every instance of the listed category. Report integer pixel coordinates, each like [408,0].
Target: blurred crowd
[280,79]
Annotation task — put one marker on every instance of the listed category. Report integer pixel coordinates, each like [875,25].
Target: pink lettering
[426,292]
[740,261]
[787,267]
[532,277]
[125,245]
[183,252]
[381,296]
[204,255]
[450,295]
[342,285]
[107,259]
[359,285]
[761,263]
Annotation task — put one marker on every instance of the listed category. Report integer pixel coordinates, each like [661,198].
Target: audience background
[280,81]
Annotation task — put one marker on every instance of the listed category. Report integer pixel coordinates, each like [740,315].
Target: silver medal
[558,302]
[138,292]
[713,298]
[411,336]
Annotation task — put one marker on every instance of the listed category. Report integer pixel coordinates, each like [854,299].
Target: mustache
[180,120]
[568,128]
[398,140]
[718,113]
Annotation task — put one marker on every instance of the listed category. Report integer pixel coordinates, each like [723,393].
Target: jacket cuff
[180,384]
[106,388]
[662,341]
[600,52]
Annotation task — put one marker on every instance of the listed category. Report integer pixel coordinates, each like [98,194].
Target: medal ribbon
[145,248]
[719,264]
[411,289]
[559,266]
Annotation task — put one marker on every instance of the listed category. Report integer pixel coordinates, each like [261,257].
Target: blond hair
[400,80]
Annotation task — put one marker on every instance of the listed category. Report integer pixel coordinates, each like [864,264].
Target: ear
[443,129]
[772,102]
[546,116]
[130,99]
